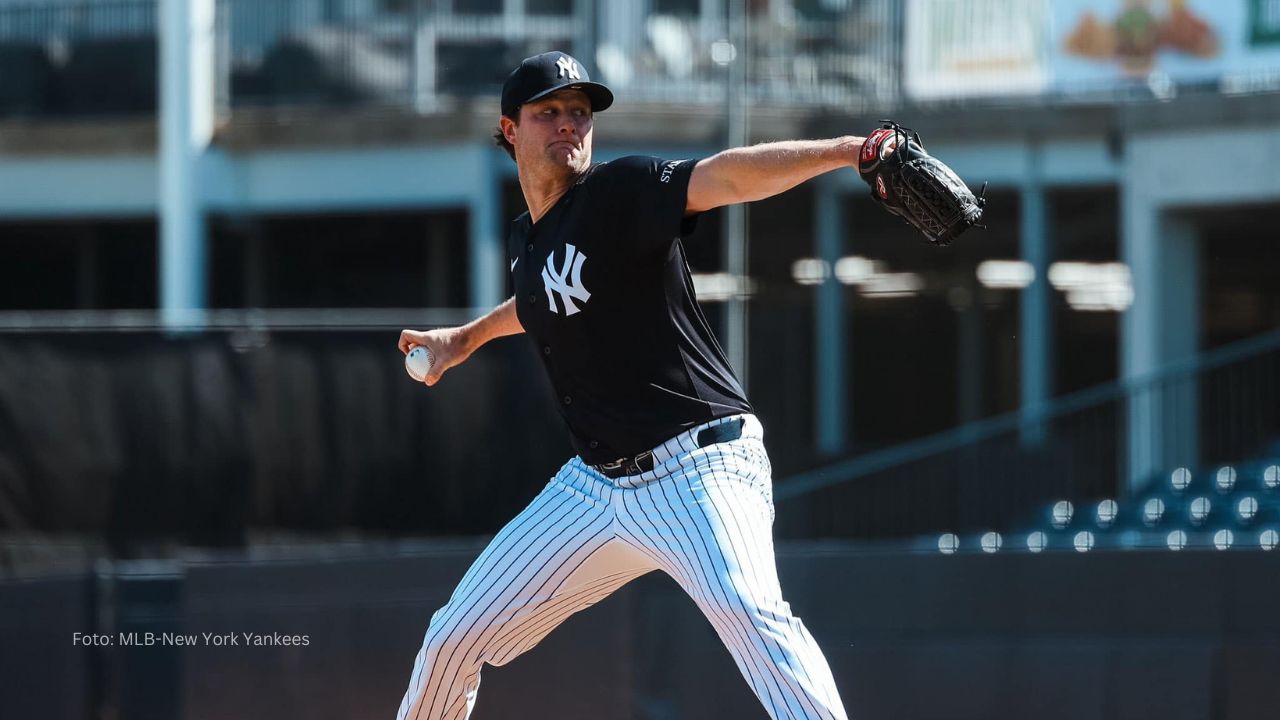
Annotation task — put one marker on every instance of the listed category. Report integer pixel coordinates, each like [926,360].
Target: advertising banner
[956,49]
[975,48]
[1100,43]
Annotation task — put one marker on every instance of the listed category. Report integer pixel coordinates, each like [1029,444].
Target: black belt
[642,463]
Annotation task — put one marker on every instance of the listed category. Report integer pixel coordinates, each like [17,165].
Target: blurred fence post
[486,252]
[736,228]
[1180,300]
[1036,320]
[187,47]
[423,70]
[222,54]
[829,323]
[1161,327]
[147,641]
[584,37]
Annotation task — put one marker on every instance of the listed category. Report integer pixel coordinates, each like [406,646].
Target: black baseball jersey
[602,288]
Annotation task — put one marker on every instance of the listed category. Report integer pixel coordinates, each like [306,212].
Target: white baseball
[418,363]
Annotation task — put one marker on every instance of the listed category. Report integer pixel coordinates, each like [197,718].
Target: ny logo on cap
[566,66]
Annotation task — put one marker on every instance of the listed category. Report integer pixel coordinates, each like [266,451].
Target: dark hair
[500,138]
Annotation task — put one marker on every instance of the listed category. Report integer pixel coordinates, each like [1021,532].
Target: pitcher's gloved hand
[917,187]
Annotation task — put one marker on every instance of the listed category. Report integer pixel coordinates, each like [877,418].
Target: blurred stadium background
[1034,475]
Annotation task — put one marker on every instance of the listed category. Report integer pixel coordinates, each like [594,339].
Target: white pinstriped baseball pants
[702,515]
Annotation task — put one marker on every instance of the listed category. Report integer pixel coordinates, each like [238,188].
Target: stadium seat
[1228,507]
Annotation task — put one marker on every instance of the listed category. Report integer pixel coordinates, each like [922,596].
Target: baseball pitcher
[671,472]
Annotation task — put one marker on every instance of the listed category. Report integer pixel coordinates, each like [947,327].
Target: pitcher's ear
[508,127]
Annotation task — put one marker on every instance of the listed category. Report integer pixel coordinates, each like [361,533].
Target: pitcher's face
[554,131]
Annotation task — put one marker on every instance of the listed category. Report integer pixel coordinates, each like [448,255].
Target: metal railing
[424,55]
[820,58]
[60,22]
[1106,442]
[420,53]
[414,55]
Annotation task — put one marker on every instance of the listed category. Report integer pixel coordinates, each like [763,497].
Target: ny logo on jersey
[554,282]
[566,66]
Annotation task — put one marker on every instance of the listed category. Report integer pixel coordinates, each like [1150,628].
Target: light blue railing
[1218,407]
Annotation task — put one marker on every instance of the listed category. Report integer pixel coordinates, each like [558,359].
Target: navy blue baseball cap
[541,75]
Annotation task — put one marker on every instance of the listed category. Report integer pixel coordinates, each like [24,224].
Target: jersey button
[529,247]
[546,349]
[568,400]
[594,444]
[532,298]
